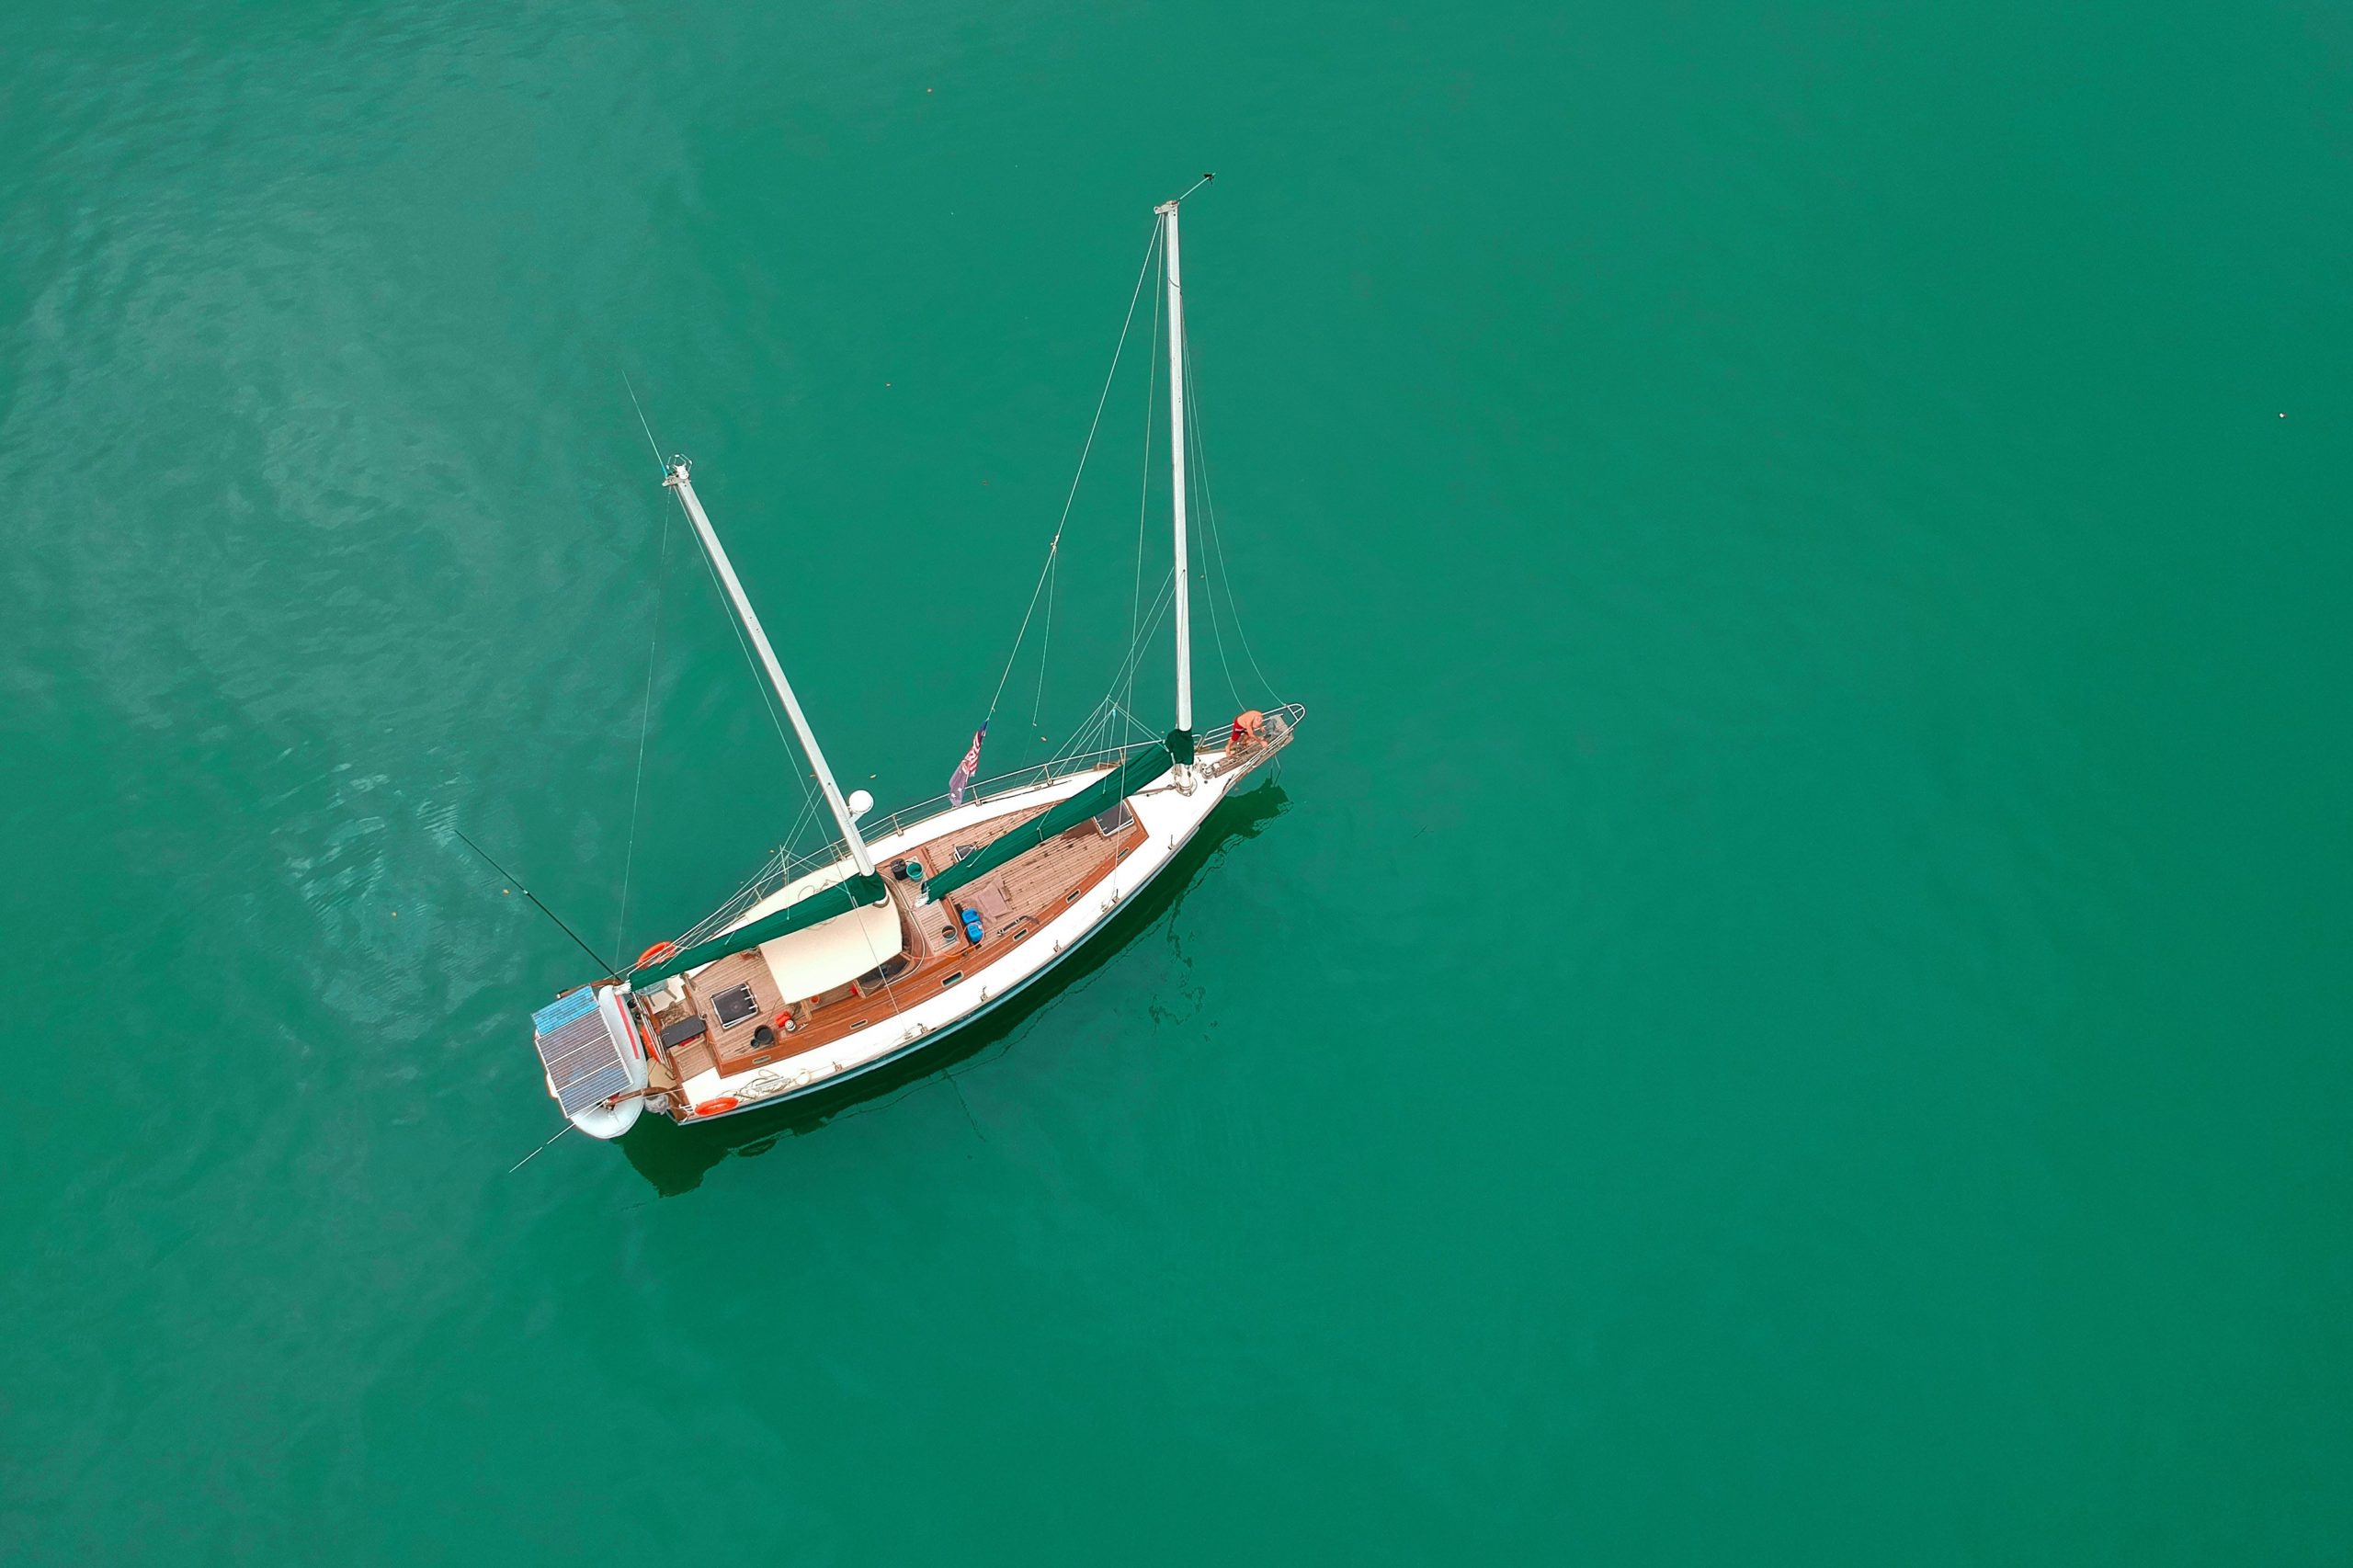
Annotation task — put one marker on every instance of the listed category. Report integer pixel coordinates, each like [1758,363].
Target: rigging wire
[808,797]
[1143,495]
[1046,642]
[1110,705]
[1128,666]
[1094,737]
[808,812]
[759,679]
[778,868]
[643,424]
[1195,465]
[1053,550]
[1217,545]
[646,716]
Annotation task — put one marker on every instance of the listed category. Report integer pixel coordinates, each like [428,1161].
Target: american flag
[961,779]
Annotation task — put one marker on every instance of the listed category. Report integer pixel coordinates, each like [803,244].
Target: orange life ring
[655,954]
[714,1108]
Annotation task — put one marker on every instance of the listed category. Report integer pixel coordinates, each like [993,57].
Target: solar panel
[585,1056]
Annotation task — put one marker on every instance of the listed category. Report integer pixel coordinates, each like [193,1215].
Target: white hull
[1170,820]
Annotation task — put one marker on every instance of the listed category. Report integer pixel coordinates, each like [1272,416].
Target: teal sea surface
[1790,1003]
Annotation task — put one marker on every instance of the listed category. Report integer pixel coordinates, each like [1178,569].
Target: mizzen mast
[677,480]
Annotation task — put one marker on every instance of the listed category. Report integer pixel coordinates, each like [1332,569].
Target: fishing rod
[609,967]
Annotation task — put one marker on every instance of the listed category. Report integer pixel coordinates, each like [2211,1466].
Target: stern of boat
[594,1060]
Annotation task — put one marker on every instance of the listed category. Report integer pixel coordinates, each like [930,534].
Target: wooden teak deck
[1014,902]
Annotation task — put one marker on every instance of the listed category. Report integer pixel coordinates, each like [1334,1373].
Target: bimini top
[796,908]
[815,933]
[833,952]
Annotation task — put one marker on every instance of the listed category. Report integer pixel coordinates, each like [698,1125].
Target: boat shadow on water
[675,1159]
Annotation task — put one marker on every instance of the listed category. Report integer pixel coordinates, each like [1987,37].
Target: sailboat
[914,925]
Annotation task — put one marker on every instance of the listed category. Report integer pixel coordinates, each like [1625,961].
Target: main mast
[1181,741]
[679,482]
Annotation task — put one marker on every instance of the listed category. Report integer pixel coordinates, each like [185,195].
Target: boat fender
[724,1104]
[655,954]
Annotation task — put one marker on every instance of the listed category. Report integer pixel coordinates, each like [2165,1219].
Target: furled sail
[1125,779]
[823,905]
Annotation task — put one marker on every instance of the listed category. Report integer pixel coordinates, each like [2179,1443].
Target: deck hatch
[586,1060]
[734,1006]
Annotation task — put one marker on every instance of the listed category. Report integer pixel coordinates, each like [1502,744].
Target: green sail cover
[823,905]
[1095,800]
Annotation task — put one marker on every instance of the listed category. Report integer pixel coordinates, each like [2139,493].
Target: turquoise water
[1789,1005]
